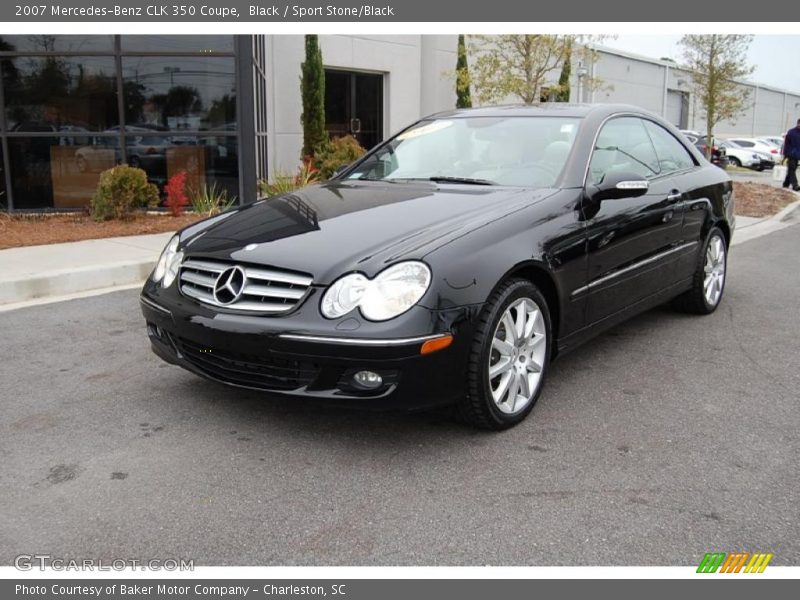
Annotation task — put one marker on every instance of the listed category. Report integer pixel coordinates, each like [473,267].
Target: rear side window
[623,146]
[672,156]
[744,143]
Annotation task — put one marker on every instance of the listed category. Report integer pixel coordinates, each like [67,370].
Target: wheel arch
[543,279]
[726,230]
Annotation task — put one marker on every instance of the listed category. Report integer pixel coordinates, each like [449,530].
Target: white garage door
[676,109]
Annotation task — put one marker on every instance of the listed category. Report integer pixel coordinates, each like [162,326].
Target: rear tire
[708,282]
[509,358]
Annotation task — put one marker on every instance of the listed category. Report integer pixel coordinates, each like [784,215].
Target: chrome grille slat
[252,289]
[202,265]
[266,290]
[199,294]
[270,275]
[199,279]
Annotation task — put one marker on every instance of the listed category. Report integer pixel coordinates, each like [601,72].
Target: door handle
[674,195]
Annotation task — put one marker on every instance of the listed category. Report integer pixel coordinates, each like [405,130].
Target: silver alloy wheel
[714,270]
[516,360]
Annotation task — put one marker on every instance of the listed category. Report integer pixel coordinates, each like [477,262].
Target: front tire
[509,358]
[734,162]
[708,283]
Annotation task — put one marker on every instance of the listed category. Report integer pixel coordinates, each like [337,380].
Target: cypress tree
[312,90]
[463,95]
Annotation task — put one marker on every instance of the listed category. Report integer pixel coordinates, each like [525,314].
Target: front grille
[247,370]
[264,289]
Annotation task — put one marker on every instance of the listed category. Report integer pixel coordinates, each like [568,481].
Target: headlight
[344,295]
[390,294]
[168,263]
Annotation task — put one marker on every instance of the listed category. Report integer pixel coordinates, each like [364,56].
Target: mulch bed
[760,200]
[35,229]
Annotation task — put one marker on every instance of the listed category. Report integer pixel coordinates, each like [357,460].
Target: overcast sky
[775,57]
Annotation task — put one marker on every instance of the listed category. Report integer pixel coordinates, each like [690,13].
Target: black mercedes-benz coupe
[450,264]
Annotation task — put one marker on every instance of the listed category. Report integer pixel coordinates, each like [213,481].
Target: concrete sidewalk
[56,270]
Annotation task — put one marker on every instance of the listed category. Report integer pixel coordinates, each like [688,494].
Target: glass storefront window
[207,160]
[60,94]
[3,195]
[180,94]
[46,172]
[56,43]
[177,43]
[63,124]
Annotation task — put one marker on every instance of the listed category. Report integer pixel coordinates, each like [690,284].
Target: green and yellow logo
[734,562]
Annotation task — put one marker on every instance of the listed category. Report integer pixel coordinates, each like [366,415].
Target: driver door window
[623,146]
[672,156]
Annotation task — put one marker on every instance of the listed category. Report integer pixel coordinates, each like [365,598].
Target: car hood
[338,227]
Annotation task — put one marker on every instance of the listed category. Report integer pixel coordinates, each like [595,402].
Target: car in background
[759,145]
[103,152]
[776,140]
[744,157]
[718,157]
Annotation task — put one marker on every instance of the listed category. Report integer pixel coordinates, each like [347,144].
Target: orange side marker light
[436,344]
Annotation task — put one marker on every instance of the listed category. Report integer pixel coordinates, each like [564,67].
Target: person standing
[791,153]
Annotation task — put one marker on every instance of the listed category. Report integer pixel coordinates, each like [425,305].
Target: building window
[354,105]
[45,173]
[60,94]
[56,43]
[64,122]
[180,93]
[177,43]
[3,194]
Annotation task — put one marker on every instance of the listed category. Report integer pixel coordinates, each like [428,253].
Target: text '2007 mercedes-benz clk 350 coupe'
[451,263]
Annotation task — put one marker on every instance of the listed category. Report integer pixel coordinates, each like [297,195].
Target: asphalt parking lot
[663,439]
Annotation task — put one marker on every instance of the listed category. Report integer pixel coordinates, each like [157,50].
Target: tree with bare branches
[519,65]
[716,61]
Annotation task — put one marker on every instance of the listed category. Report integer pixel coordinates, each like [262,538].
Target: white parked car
[743,157]
[759,145]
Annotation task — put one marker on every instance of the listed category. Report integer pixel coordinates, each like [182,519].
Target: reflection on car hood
[331,229]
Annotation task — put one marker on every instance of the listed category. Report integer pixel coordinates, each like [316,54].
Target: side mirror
[618,185]
[340,170]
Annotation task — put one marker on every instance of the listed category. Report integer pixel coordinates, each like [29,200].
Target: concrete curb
[62,283]
[785,218]
[788,211]
[34,273]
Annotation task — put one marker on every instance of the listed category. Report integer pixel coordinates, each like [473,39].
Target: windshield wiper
[467,180]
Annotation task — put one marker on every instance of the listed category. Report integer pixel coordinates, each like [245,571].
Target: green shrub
[337,153]
[209,200]
[121,191]
[283,182]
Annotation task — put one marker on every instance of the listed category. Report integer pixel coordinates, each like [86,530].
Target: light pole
[172,71]
[582,72]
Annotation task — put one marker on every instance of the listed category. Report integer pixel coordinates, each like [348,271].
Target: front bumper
[303,355]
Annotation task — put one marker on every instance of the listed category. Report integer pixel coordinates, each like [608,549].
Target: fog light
[367,379]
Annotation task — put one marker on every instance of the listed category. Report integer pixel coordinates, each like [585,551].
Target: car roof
[542,109]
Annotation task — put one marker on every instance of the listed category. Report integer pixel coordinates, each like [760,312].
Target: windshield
[515,151]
